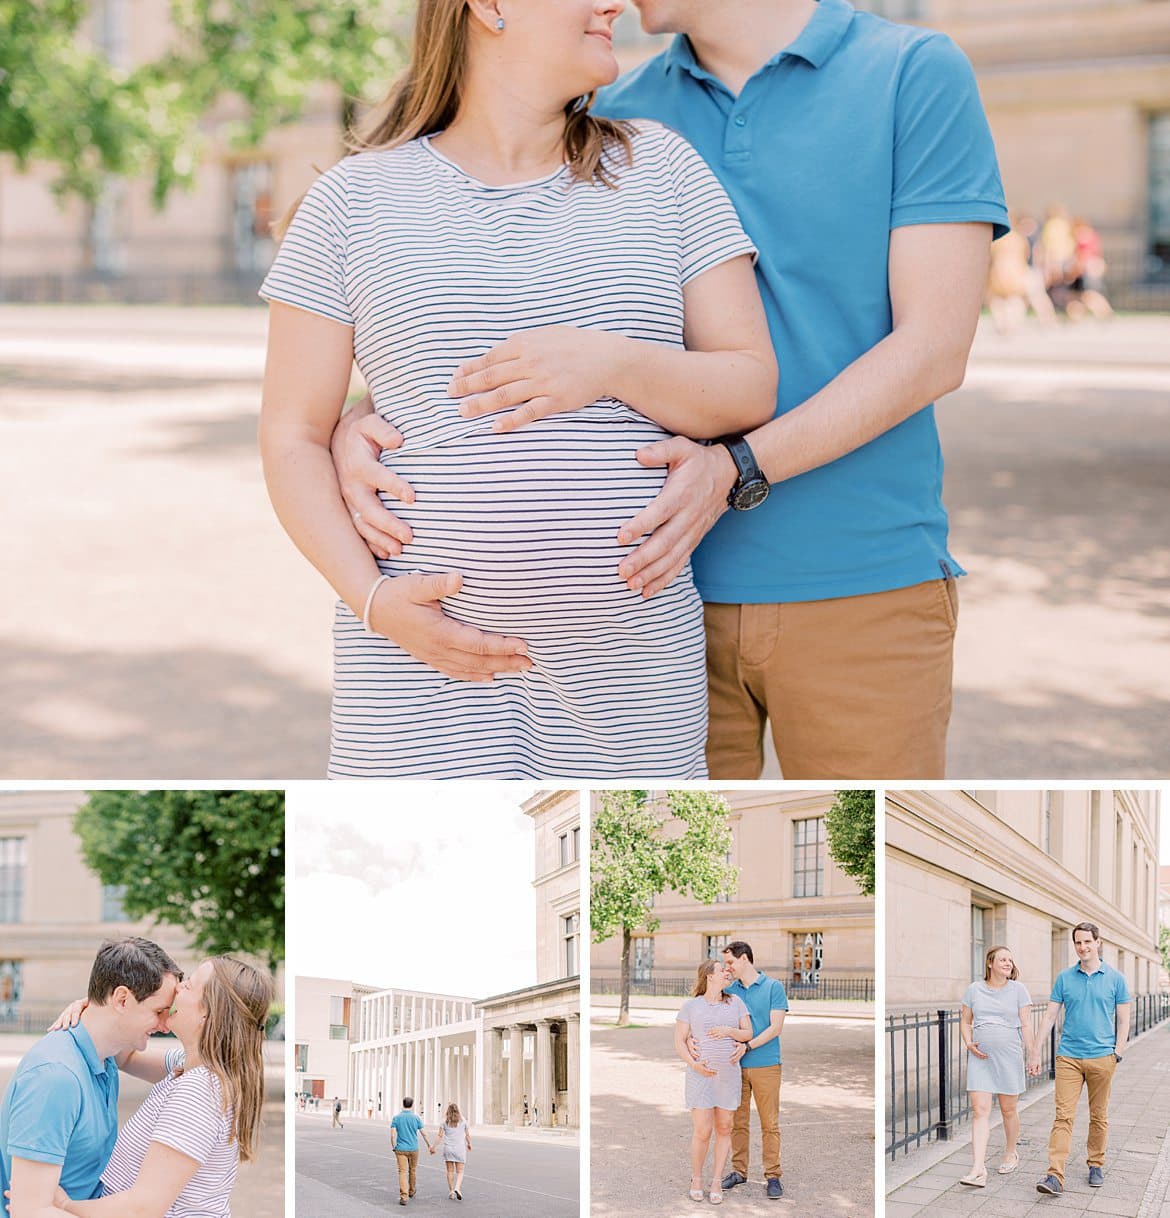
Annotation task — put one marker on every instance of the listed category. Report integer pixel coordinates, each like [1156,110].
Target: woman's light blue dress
[996,1030]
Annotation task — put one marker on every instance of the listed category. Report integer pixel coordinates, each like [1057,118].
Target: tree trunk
[623,1018]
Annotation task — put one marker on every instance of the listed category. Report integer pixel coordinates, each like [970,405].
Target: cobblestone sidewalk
[1137,1167]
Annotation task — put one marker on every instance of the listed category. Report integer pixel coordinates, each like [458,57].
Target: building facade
[54,912]
[326,1026]
[805,918]
[966,870]
[509,1059]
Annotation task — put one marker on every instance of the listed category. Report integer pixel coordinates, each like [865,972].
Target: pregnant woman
[996,1025]
[717,1021]
[496,254]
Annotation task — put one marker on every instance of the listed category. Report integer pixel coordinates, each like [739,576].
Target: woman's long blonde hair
[989,959]
[237,998]
[427,96]
[705,971]
[452,1118]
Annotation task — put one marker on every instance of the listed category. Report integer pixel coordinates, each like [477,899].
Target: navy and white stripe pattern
[185,1112]
[431,268]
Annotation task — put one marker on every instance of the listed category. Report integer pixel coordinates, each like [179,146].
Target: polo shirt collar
[815,44]
[1099,969]
[761,976]
[87,1049]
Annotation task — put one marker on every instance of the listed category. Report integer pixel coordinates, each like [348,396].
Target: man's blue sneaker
[732,1179]
[1096,1177]
[775,1188]
[1050,1185]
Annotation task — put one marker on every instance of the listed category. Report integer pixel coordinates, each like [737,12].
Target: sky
[426,886]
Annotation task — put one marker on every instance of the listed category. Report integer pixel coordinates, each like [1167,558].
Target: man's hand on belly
[356,447]
[406,610]
[698,481]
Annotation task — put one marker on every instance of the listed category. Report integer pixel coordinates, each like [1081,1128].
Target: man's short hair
[740,948]
[136,963]
[1085,926]
[408,1102]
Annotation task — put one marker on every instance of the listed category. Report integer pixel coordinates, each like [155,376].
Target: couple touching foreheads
[61,1151]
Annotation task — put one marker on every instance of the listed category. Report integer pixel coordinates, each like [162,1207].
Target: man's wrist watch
[751,487]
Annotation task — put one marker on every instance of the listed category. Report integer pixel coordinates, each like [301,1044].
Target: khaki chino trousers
[855,688]
[407,1172]
[1072,1074]
[763,1084]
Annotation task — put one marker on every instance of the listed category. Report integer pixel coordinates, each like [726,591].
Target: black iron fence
[666,984]
[34,1018]
[926,1069]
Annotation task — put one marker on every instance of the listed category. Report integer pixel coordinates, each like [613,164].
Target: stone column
[516,1075]
[572,1101]
[542,1074]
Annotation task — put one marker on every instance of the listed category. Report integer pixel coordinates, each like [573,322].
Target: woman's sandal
[1008,1166]
[715,1196]
[696,1194]
[975,1179]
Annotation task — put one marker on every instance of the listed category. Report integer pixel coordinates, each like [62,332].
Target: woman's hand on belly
[549,370]
[407,611]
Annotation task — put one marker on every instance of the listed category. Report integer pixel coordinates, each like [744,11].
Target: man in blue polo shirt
[759,1057]
[1096,1002]
[59,1117]
[859,158]
[404,1131]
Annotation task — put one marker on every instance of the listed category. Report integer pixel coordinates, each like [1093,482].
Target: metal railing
[664,984]
[34,1018]
[926,1069]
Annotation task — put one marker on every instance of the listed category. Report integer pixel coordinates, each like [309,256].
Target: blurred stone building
[806,920]
[966,870]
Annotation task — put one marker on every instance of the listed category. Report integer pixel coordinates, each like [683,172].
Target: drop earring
[499,23]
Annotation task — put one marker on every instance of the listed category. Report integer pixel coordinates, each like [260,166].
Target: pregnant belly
[530,519]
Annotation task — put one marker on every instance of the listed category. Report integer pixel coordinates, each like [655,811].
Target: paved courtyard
[351,1173]
[259,1190]
[641,1132]
[158,623]
[1137,1168]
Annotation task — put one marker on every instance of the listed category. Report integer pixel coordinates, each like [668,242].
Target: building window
[571,937]
[302,1059]
[252,216]
[9,989]
[713,946]
[570,846]
[1095,840]
[807,955]
[1118,861]
[979,929]
[12,862]
[808,857]
[1159,187]
[112,908]
[339,1015]
[642,951]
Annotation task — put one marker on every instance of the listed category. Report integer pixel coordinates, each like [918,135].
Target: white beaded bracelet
[370,602]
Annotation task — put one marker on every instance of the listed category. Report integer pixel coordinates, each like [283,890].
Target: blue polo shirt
[62,1107]
[1090,1007]
[408,1125]
[761,998]
[859,127]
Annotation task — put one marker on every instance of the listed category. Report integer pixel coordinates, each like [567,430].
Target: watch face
[750,495]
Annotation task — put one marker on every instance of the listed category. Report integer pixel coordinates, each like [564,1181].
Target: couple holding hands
[997,1033]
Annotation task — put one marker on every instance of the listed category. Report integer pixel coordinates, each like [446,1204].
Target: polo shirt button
[740,120]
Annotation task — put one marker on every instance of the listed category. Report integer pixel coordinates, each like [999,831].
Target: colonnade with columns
[426,1046]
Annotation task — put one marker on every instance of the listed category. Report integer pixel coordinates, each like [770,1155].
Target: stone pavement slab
[641,1132]
[1137,1170]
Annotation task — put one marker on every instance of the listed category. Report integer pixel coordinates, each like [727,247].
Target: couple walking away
[997,1032]
[406,1129]
[728,1034]
[61,1151]
[546,280]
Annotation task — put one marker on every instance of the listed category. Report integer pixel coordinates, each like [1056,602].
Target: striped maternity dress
[431,268]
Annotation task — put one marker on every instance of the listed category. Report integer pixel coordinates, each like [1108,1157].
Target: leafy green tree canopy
[211,862]
[849,824]
[63,99]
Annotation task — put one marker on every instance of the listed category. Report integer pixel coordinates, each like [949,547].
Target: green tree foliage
[641,849]
[63,101]
[849,824]
[1164,946]
[211,862]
